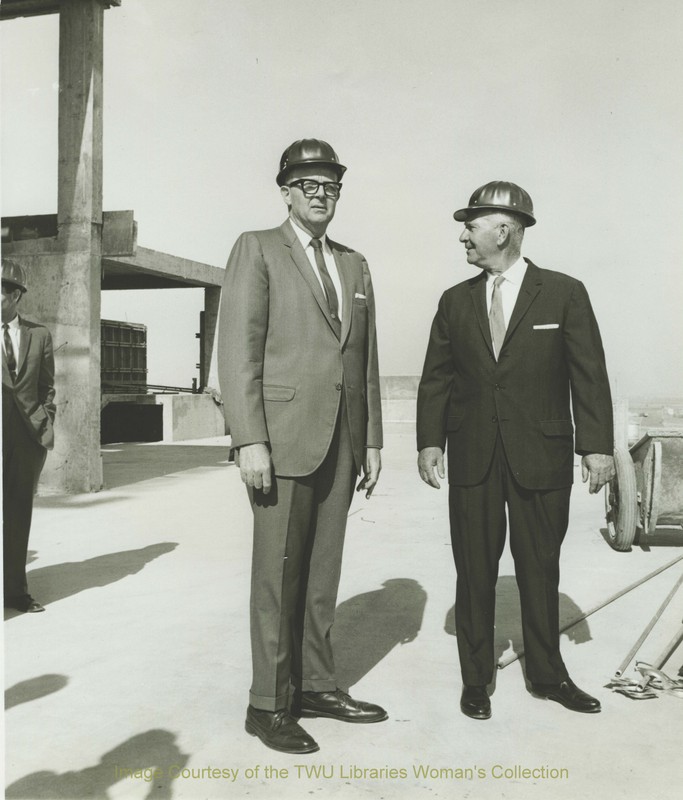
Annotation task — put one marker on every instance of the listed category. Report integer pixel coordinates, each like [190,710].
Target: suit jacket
[34,389]
[552,352]
[282,368]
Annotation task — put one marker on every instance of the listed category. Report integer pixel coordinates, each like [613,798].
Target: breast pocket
[279,394]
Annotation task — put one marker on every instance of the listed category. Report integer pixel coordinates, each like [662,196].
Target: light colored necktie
[496,318]
[330,291]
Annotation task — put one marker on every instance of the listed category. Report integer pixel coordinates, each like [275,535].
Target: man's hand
[599,468]
[371,469]
[254,463]
[427,459]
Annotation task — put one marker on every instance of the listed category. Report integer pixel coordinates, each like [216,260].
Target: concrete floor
[141,661]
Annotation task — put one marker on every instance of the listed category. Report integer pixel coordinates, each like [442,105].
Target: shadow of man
[508,627]
[146,751]
[367,627]
[33,689]
[63,580]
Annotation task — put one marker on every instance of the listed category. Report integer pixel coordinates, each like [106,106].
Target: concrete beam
[150,269]
[12,9]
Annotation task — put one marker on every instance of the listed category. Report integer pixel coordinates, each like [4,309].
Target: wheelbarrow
[647,489]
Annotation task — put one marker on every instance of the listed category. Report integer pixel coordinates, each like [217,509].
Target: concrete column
[73,281]
[208,372]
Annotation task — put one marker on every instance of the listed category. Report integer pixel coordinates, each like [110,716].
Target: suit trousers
[538,522]
[22,462]
[299,529]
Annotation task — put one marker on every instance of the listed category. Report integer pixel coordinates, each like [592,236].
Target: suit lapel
[531,286]
[25,334]
[304,266]
[478,294]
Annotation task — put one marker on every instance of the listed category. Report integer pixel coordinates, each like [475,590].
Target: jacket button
[494,419]
[338,387]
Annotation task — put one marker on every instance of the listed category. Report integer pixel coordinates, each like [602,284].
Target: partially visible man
[506,352]
[298,372]
[28,410]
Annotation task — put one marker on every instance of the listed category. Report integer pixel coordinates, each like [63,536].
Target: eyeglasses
[310,188]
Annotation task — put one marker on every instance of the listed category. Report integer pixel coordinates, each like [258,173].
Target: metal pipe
[505,662]
[661,660]
[650,625]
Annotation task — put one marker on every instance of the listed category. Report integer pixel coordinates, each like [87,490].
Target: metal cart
[647,489]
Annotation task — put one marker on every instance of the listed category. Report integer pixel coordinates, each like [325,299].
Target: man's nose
[463,236]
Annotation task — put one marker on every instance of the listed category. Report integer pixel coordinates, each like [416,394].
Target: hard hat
[13,272]
[500,196]
[308,152]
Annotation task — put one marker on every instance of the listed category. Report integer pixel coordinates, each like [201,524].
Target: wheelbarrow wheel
[621,502]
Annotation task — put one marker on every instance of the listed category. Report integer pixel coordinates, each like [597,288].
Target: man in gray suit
[297,362]
[28,410]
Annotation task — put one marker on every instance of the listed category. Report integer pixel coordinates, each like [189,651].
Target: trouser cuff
[268,703]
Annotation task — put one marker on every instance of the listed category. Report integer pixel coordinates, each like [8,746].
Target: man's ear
[285,192]
[503,233]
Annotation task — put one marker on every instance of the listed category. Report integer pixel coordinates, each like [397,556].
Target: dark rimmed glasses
[310,188]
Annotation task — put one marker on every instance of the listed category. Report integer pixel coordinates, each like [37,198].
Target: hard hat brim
[463,214]
[283,174]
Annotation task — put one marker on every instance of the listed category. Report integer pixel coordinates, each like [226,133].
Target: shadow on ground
[127,463]
[33,689]
[58,581]
[508,631]
[367,627]
[664,536]
[146,751]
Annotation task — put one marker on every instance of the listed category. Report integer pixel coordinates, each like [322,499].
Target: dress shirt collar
[305,237]
[14,324]
[514,273]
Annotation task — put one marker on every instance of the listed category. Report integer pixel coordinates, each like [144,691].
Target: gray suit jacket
[34,389]
[282,368]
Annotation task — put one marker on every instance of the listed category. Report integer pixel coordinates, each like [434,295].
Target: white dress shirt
[330,263]
[15,335]
[509,288]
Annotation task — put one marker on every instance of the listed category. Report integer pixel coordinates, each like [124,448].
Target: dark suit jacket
[281,365]
[34,389]
[552,351]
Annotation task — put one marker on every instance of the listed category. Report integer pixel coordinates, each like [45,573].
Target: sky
[424,101]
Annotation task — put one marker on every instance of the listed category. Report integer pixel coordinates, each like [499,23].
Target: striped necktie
[9,351]
[330,291]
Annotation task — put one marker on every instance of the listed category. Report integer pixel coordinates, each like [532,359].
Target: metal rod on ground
[663,658]
[505,662]
[650,625]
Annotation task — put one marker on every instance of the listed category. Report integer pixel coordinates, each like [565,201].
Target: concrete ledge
[190,416]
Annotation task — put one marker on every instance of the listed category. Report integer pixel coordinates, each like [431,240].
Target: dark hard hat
[308,152]
[13,272]
[499,196]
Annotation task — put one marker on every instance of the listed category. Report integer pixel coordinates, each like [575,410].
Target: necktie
[9,351]
[330,291]
[496,318]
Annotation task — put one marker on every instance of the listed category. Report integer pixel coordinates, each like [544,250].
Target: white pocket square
[359,296]
[547,327]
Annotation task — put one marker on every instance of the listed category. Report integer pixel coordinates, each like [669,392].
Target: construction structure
[72,255]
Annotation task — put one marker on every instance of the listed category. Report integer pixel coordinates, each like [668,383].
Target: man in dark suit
[298,371]
[507,349]
[28,410]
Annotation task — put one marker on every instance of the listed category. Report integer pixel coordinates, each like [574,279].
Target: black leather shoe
[279,731]
[26,604]
[567,694]
[475,702]
[339,705]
